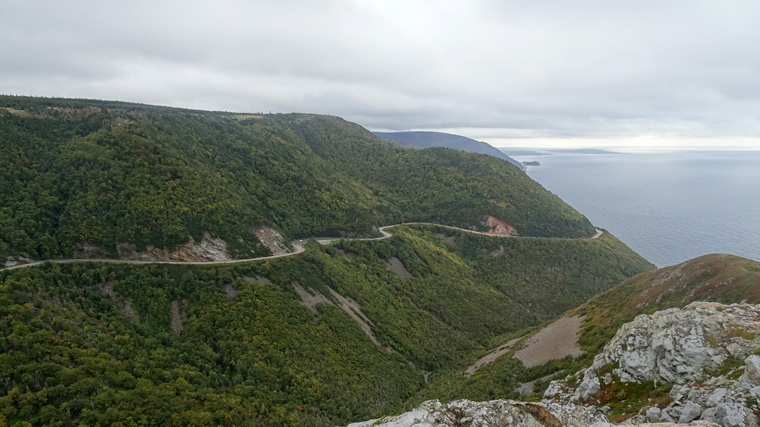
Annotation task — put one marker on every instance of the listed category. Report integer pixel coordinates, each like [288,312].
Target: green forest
[80,172]
[343,332]
[98,343]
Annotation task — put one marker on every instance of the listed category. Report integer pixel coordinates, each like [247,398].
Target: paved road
[297,245]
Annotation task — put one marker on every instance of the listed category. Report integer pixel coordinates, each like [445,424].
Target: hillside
[106,179]
[720,278]
[419,139]
[696,366]
[338,333]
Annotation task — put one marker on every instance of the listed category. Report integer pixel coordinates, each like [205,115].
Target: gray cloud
[585,69]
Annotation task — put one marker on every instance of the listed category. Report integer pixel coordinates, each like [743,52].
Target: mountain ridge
[427,139]
[88,176]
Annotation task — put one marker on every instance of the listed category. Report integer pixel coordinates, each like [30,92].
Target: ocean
[669,206]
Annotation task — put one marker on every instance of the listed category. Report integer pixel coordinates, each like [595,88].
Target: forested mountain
[338,333]
[79,173]
[420,139]
[279,342]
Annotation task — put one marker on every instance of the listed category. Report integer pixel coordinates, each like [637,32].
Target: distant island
[533,163]
[526,151]
[584,151]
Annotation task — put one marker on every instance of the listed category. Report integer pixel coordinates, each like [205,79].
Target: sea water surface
[667,206]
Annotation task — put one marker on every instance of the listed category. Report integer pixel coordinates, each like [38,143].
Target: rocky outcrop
[694,366]
[498,413]
[89,250]
[270,238]
[497,227]
[703,353]
[16,260]
[468,413]
[678,346]
[208,249]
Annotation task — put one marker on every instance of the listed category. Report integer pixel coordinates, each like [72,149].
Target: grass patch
[626,399]
[738,332]
[730,368]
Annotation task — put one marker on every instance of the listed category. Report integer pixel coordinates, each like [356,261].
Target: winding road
[297,245]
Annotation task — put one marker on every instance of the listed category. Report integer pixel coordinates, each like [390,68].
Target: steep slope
[93,179]
[718,277]
[721,278]
[694,366]
[419,139]
[696,363]
[338,333]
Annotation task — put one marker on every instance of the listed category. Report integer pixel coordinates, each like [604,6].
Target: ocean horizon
[669,205]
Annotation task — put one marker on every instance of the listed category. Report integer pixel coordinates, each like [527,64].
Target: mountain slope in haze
[338,333]
[420,139]
[720,278]
[94,179]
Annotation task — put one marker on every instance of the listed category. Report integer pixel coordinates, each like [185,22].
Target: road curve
[297,245]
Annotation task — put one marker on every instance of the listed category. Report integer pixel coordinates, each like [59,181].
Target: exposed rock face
[124,304]
[703,354]
[208,249]
[310,298]
[468,413]
[705,351]
[498,413]
[270,238]
[178,314]
[89,250]
[677,346]
[395,265]
[17,260]
[498,227]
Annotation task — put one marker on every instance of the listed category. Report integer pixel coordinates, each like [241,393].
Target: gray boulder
[690,412]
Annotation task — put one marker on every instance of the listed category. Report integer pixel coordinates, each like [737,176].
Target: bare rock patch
[557,340]
[17,260]
[124,304]
[353,309]
[490,357]
[310,298]
[449,240]
[178,314]
[89,250]
[230,290]
[208,249]
[396,266]
[270,238]
[498,227]
[261,280]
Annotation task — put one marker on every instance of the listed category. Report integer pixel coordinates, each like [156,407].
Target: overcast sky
[508,72]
